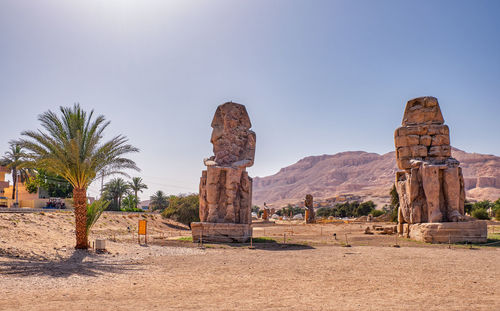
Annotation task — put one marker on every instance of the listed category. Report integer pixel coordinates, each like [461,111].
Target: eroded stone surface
[431,187]
[310,215]
[422,110]
[225,187]
[223,233]
[449,232]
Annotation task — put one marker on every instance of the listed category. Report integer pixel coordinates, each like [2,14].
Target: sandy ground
[40,271]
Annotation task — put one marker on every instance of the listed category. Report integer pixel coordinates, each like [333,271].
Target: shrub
[184,209]
[468,207]
[480,213]
[291,210]
[365,208]
[377,212]
[394,215]
[483,204]
[131,209]
[497,215]
[94,211]
[325,212]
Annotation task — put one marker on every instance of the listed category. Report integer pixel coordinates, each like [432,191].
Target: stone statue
[431,185]
[310,215]
[265,213]
[225,187]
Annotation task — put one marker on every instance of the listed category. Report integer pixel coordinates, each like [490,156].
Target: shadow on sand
[81,263]
[269,244]
[176,227]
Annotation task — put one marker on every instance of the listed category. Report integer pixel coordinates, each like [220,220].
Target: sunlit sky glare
[317,77]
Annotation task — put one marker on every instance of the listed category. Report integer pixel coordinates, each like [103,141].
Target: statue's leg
[452,192]
[203,197]
[245,200]
[213,177]
[232,182]
[432,189]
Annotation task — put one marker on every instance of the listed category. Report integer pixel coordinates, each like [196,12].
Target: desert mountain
[364,174]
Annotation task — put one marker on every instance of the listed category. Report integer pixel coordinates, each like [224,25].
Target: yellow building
[26,199]
[3,184]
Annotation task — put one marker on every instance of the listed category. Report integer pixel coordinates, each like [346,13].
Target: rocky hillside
[368,175]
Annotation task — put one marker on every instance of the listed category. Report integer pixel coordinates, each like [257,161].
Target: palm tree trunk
[80,204]
[136,199]
[14,183]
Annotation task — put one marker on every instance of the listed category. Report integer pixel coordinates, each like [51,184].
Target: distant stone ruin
[225,187]
[309,204]
[431,185]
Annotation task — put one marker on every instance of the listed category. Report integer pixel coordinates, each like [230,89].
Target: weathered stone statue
[225,187]
[310,215]
[265,213]
[431,185]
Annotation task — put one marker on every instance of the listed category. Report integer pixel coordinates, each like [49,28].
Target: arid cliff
[368,175]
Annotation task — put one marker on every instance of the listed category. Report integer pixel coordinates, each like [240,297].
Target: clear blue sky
[317,77]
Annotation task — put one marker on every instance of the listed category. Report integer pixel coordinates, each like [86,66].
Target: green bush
[131,209]
[468,207]
[497,215]
[377,212]
[290,209]
[394,215]
[184,209]
[347,209]
[365,208]
[480,213]
[94,211]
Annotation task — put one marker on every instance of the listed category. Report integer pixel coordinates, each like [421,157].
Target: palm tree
[116,188]
[13,160]
[158,200]
[137,185]
[71,145]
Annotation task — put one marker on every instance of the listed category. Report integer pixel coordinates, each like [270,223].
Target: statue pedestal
[445,232]
[221,232]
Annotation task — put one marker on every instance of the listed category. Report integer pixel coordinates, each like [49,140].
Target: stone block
[446,151]
[404,152]
[412,130]
[408,140]
[425,140]
[440,140]
[100,245]
[438,129]
[418,151]
[221,232]
[422,110]
[439,151]
[454,232]
[403,163]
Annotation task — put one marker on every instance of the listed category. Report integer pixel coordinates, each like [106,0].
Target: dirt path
[321,278]
[40,271]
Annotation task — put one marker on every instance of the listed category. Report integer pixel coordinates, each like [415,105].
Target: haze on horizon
[316,77]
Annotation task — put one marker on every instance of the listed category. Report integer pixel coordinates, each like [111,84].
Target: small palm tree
[71,145]
[137,185]
[116,188]
[158,201]
[13,160]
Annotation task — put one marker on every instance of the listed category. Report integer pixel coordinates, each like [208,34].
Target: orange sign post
[143,224]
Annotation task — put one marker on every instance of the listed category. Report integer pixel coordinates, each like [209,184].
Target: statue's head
[309,200]
[422,110]
[231,127]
